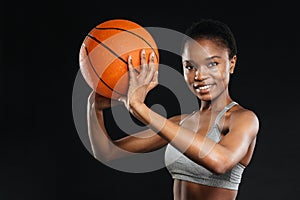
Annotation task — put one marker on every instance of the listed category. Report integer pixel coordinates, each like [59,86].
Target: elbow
[222,166]
[102,156]
[220,170]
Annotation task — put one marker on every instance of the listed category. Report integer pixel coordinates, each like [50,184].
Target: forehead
[201,49]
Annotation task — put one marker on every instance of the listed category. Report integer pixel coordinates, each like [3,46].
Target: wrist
[102,103]
[140,111]
[135,105]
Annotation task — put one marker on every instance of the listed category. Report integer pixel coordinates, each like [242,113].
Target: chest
[203,123]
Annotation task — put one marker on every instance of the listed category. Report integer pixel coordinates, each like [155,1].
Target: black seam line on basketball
[111,51]
[121,29]
[89,59]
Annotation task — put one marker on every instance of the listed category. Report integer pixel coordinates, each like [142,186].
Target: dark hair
[213,30]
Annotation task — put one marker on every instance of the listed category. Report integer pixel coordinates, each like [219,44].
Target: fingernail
[152,56]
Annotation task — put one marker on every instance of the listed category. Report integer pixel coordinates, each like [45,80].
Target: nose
[200,74]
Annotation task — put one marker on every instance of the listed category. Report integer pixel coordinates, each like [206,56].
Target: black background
[42,156]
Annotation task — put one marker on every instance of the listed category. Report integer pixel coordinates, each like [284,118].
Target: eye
[189,67]
[212,64]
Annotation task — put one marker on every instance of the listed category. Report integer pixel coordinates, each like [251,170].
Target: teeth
[204,87]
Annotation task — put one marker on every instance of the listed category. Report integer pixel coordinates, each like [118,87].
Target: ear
[232,64]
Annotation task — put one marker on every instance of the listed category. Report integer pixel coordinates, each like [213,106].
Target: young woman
[208,149]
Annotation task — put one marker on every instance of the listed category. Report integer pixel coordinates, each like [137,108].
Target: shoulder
[241,116]
[241,112]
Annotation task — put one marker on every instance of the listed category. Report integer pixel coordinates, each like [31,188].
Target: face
[207,68]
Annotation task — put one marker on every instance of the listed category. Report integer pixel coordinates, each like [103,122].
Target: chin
[206,97]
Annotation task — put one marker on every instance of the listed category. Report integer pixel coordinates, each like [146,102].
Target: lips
[202,87]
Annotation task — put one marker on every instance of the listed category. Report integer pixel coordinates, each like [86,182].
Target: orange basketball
[104,54]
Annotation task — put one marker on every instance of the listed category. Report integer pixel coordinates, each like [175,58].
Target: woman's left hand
[141,84]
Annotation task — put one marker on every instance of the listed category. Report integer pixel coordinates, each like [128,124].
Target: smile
[202,87]
[205,87]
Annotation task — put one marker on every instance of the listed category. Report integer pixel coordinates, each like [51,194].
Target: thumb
[123,99]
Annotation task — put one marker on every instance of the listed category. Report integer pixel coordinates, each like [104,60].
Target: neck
[216,104]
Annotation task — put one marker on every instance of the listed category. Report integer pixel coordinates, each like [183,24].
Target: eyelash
[209,65]
[212,64]
[189,67]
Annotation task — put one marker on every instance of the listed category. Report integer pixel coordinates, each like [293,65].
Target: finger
[151,68]
[154,81]
[132,75]
[122,99]
[150,75]
[152,55]
[143,59]
[144,65]
[155,78]
[151,60]
[91,97]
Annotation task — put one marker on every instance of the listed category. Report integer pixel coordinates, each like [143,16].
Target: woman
[208,149]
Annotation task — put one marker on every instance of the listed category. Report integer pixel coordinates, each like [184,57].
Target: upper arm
[233,147]
[243,128]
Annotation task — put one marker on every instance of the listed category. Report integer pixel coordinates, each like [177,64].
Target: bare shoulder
[241,112]
[241,116]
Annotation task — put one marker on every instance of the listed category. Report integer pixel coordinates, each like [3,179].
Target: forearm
[104,147]
[197,147]
[172,132]
[101,143]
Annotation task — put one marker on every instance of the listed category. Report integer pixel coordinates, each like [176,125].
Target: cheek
[222,78]
[221,73]
[188,77]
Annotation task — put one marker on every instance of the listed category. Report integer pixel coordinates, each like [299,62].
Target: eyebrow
[209,58]
[212,57]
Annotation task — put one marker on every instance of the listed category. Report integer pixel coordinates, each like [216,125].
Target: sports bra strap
[218,117]
[224,111]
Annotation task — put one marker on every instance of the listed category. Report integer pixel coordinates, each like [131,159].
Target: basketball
[103,56]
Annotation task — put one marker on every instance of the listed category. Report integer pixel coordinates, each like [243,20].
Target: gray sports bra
[181,167]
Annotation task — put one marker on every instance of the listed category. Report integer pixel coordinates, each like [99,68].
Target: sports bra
[181,167]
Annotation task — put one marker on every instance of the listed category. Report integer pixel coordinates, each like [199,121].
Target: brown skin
[207,72]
